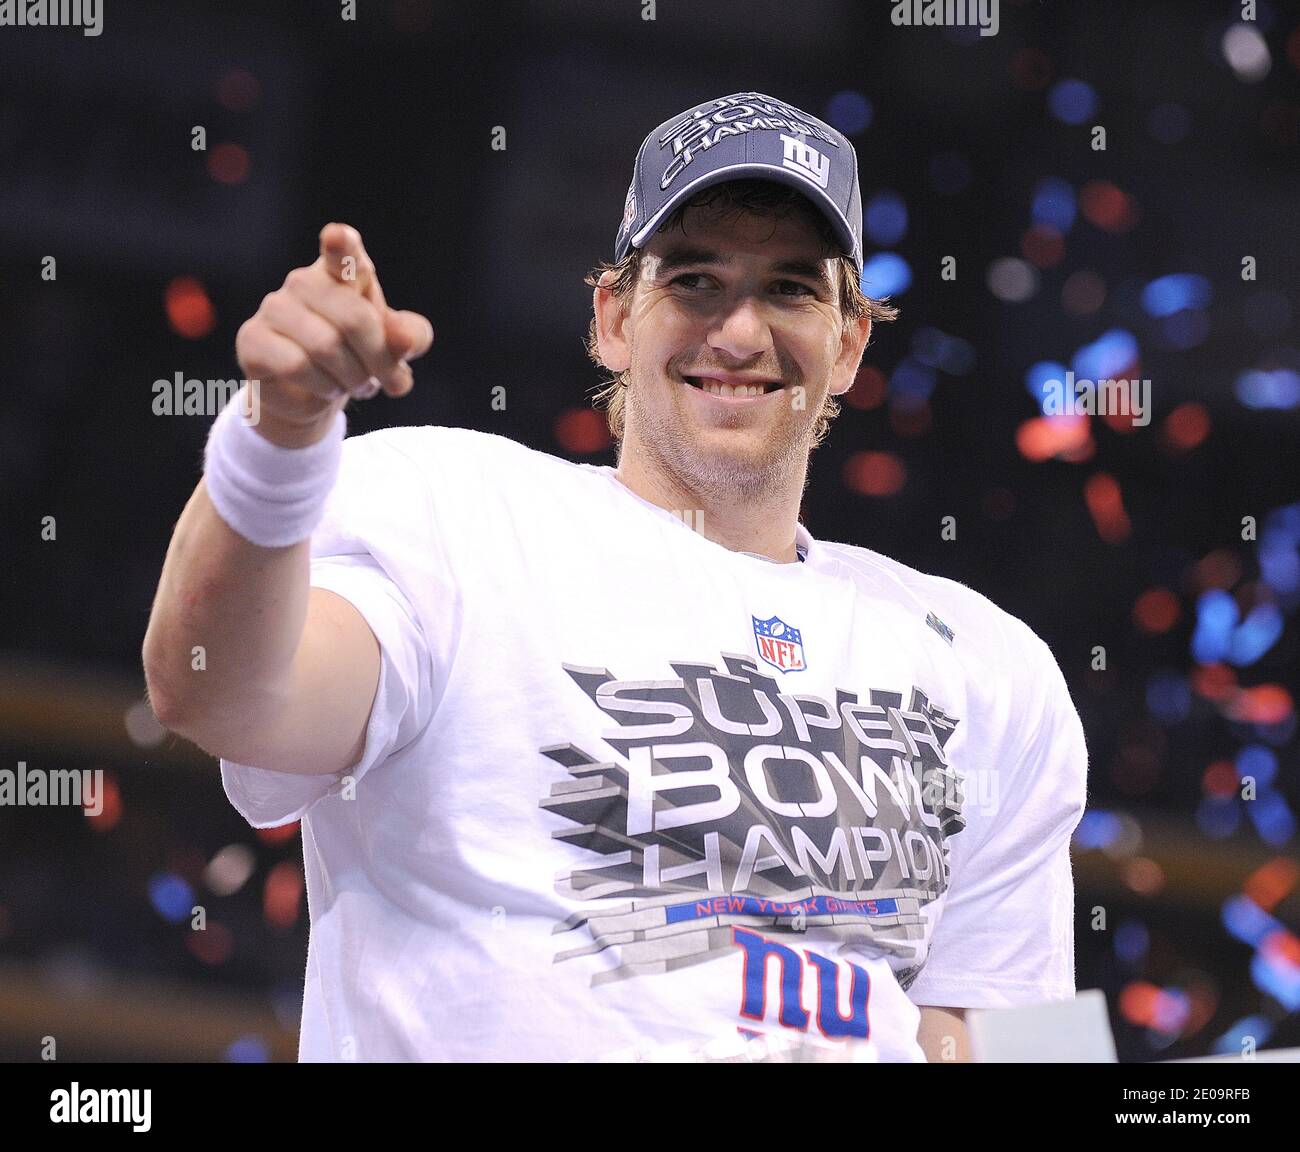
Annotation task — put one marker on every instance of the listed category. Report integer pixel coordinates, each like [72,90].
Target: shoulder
[1001,655]
[976,622]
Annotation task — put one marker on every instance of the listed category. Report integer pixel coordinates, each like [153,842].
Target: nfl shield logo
[779,644]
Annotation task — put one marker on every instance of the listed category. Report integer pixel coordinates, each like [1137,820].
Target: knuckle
[297,364]
[361,322]
[322,341]
[248,341]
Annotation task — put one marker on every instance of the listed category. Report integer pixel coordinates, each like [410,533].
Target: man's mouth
[736,391]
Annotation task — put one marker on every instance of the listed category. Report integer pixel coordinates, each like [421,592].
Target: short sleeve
[350,558]
[1005,936]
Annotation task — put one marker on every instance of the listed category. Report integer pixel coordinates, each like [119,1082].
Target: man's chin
[738,458]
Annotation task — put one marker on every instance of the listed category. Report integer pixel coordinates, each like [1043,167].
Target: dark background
[386,122]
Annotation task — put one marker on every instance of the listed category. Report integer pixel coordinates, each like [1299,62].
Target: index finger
[347,261]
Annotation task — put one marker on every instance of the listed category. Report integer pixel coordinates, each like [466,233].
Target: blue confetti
[1247,921]
[1218,816]
[886,274]
[1255,1029]
[1072,101]
[248,1050]
[1169,294]
[885,218]
[1278,979]
[1279,388]
[1169,697]
[1054,204]
[171,897]
[1107,357]
[850,112]
[1272,818]
[1261,629]
[1097,829]
[1216,617]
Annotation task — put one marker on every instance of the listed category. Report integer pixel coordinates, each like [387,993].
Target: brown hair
[760,197]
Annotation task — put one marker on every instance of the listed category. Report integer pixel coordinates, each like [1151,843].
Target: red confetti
[582,431]
[109,804]
[868,391]
[238,90]
[1156,610]
[1186,427]
[1105,502]
[1273,882]
[229,164]
[1044,437]
[1215,682]
[1220,779]
[1107,207]
[282,895]
[1042,246]
[189,311]
[278,835]
[874,473]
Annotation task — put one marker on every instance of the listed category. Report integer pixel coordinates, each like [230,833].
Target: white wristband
[270,495]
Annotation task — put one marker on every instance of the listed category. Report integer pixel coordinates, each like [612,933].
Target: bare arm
[287,674]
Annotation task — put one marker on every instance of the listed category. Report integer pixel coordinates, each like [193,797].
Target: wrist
[286,433]
[272,494]
[299,422]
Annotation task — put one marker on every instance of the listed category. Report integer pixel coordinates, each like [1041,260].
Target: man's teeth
[717,388]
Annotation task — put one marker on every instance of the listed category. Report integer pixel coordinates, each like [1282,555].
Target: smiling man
[600,762]
[731,333]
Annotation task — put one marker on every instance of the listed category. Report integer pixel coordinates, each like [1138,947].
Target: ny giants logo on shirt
[779,644]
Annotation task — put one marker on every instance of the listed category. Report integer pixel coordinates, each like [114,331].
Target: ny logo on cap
[804,158]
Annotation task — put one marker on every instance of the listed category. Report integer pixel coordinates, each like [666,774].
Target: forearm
[226,622]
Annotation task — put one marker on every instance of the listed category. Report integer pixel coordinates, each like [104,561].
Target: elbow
[168,704]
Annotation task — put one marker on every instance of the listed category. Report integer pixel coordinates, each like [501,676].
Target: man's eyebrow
[677,258]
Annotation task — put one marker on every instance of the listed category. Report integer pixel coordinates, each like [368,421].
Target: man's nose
[741,330]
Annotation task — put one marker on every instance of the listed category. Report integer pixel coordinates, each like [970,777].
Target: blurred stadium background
[1127,262]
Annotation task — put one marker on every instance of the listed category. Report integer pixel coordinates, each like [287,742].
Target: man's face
[749,298]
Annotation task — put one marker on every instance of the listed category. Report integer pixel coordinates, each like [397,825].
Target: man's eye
[786,287]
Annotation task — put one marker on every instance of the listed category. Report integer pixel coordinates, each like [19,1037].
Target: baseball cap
[744,136]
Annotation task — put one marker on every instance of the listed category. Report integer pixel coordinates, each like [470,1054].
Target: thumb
[408,334]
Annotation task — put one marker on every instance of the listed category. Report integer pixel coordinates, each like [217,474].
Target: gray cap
[745,136]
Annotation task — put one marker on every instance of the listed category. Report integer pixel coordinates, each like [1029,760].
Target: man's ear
[853,342]
[611,321]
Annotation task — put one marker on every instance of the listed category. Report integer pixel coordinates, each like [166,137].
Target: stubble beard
[706,471]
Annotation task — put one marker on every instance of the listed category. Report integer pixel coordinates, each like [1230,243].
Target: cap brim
[753,171]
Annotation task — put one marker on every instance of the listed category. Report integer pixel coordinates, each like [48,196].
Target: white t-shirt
[627,794]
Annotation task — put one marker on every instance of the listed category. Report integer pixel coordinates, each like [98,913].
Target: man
[621,763]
